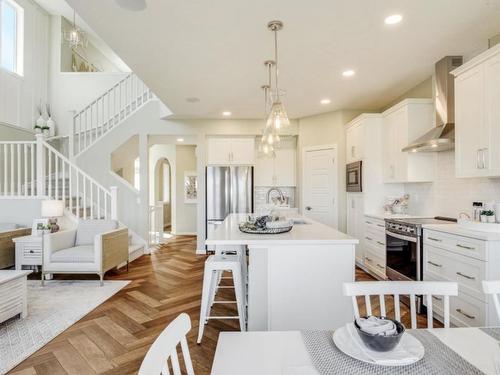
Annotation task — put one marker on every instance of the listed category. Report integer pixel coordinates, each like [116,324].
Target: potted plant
[40,122]
[51,124]
[487,216]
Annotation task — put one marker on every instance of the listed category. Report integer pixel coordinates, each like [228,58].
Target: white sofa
[95,246]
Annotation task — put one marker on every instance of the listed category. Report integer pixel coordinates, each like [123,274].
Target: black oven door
[403,257]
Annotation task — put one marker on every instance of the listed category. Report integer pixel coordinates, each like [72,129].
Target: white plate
[352,345]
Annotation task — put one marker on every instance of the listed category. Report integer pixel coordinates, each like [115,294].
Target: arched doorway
[161,215]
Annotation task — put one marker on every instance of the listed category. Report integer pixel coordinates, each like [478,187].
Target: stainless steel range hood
[442,136]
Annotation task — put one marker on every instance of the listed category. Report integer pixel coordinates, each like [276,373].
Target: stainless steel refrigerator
[229,190]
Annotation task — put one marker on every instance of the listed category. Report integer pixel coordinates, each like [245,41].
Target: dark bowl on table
[381,343]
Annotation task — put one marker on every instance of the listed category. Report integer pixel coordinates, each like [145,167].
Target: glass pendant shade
[74,37]
[278,119]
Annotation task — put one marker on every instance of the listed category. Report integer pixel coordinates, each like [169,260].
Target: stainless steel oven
[403,255]
[354,177]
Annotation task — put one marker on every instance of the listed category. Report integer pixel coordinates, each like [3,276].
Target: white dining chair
[493,288]
[165,347]
[437,290]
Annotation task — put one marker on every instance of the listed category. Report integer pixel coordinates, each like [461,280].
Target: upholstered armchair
[95,246]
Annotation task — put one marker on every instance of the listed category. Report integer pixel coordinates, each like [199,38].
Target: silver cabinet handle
[368,222]
[467,277]
[369,238]
[368,259]
[435,239]
[437,298]
[465,314]
[308,208]
[380,243]
[380,266]
[381,225]
[478,152]
[434,264]
[483,154]
[465,247]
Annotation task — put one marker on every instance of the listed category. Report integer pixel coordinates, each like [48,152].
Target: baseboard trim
[185,233]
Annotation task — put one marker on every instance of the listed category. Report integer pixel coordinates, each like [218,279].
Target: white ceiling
[214,50]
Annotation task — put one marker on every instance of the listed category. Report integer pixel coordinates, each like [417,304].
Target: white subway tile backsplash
[448,195]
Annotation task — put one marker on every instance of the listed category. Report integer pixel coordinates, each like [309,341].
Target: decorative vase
[38,130]
[491,219]
[46,131]
[484,219]
[51,124]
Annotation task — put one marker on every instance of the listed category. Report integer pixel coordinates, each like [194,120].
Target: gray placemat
[439,359]
[493,332]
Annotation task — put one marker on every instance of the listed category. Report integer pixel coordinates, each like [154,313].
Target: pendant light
[277,118]
[75,37]
[268,138]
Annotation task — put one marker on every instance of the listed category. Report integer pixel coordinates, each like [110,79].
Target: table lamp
[53,209]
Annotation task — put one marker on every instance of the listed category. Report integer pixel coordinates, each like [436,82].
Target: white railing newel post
[114,202]
[71,151]
[40,165]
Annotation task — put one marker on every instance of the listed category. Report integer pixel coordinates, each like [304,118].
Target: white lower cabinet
[466,261]
[374,247]
[355,227]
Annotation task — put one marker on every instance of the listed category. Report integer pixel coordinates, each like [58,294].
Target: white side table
[28,251]
[13,294]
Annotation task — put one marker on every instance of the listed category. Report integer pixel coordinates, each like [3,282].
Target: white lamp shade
[52,208]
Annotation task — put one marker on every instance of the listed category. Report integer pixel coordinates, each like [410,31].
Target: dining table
[285,352]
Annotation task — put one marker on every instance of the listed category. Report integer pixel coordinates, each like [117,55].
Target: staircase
[106,112]
[37,170]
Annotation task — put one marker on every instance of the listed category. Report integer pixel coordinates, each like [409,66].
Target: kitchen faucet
[282,196]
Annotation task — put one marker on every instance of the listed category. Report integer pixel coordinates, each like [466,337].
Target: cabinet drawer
[458,244]
[374,262]
[445,265]
[374,225]
[374,240]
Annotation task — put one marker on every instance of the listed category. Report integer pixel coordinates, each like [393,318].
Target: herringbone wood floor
[113,338]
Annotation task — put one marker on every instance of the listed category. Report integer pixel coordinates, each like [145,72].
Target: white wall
[326,129]
[15,133]
[71,92]
[185,213]
[448,195]
[19,95]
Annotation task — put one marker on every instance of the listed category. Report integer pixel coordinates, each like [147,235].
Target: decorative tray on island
[265,225]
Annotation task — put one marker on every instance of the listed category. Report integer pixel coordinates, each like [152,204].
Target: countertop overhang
[313,233]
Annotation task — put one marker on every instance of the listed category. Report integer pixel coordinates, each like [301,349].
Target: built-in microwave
[354,177]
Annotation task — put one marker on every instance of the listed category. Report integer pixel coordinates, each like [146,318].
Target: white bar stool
[214,266]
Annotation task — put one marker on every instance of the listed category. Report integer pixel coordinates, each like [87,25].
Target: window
[11,36]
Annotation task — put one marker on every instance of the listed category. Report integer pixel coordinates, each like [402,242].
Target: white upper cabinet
[477,116]
[278,171]
[402,124]
[231,151]
[354,142]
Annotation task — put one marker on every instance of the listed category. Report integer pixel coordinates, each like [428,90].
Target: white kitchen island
[295,278]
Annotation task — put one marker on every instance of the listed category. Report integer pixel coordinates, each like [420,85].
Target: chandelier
[277,115]
[270,139]
[74,37]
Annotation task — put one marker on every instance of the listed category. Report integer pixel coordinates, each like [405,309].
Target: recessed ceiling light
[226,113]
[393,19]
[325,101]
[180,139]
[348,73]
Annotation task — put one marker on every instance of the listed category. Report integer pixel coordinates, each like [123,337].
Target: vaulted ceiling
[214,50]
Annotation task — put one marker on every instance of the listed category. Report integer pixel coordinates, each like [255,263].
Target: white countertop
[460,231]
[228,233]
[383,216]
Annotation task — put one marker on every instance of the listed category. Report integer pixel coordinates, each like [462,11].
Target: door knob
[308,208]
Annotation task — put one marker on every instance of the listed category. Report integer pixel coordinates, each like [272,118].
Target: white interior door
[319,181]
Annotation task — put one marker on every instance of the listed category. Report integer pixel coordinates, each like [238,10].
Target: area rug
[51,309]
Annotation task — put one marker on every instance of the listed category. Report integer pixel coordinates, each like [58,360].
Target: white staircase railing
[106,112]
[18,169]
[38,170]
